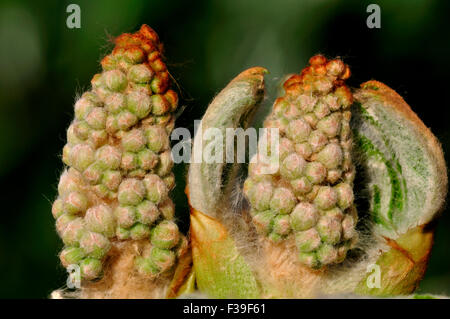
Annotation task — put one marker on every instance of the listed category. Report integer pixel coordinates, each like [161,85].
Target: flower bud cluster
[119,162]
[310,197]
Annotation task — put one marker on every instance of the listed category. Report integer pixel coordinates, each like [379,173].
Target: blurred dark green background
[44,64]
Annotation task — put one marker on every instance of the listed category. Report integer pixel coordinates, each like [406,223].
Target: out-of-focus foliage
[44,65]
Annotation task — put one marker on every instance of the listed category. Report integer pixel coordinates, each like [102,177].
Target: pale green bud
[115,103]
[73,232]
[281,225]
[147,159]
[157,138]
[109,157]
[126,119]
[140,73]
[263,221]
[330,156]
[304,216]
[95,245]
[326,198]
[167,209]
[292,166]
[298,130]
[96,118]
[71,255]
[100,219]
[131,192]
[165,163]
[147,212]
[133,141]
[327,254]
[139,231]
[112,180]
[307,240]
[139,103]
[125,216]
[57,208]
[81,156]
[115,80]
[75,203]
[330,229]
[165,235]
[90,268]
[315,172]
[129,161]
[157,190]
[283,201]
[345,195]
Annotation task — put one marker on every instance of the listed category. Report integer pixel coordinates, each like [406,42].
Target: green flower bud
[96,118]
[286,147]
[90,268]
[167,209]
[112,180]
[131,192]
[160,105]
[283,201]
[139,231]
[115,103]
[260,194]
[139,103]
[71,256]
[321,110]
[307,102]
[330,156]
[140,73]
[281,225]
[307,240]
[134,55]
[317,140]
[129,161]
[133,141]
[93,173]
[330,229]
[315,172]
[165,235]
[81,156]
[309,259]
[298,131]
[100,219]
[147,159]
[301,186]
[345,195]
[75,203]
[147,212]
[145,266]
[81,130]
[304,216]
[157,138]
[109,157]
[123,233]
[125,120]
[162,259]
[169,180]
[98,138]
[165,163]
[263,221]
[125,216]
[327,254]
[292,166]
[331,125]
[73,232]
[115,80]
[95,245]
[112,124]
[326,198]
[57,208]
[275,238]
[82,108]
[304,149]
[157,190]
[63,221]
